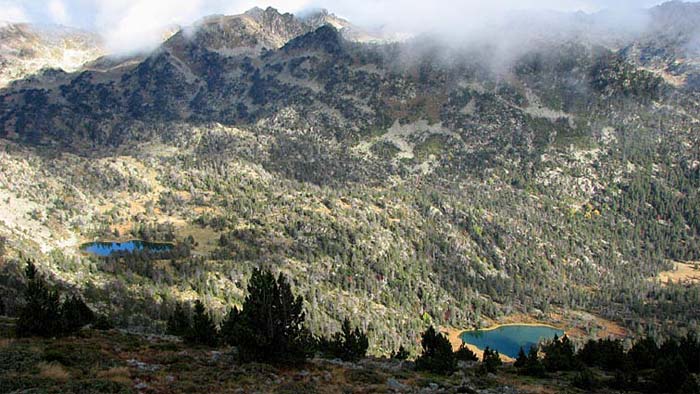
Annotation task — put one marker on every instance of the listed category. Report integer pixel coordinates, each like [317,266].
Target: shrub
[585,380]
[437,356]
[54,371]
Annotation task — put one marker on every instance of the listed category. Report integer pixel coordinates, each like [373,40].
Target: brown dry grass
[53,371]
[684,273]
[117,375]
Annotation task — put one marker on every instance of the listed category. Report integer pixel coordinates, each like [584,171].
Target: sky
[133,24]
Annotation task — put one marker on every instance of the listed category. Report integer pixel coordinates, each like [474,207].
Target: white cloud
[10,12]
[130,25]
[58,12]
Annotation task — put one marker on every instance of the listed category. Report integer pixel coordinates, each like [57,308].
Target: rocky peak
[325,38]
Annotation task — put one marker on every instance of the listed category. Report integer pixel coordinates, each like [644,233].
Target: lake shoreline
[454,335]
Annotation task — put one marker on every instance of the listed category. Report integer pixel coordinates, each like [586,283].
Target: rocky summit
[402,184]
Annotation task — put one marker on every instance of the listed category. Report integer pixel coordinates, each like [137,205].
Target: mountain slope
[400,183]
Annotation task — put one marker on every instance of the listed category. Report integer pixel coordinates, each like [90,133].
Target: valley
[399,183]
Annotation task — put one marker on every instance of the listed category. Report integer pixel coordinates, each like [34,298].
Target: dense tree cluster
[671,367]
[44,314]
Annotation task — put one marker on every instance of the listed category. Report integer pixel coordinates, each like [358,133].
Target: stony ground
[120,362]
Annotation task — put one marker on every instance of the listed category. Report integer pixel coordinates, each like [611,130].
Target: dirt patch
[683,273]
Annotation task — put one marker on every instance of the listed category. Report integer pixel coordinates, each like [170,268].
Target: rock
[216,356]
[395,384]
[141,366]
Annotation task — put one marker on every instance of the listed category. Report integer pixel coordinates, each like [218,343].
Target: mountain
[401,183]
[27,49]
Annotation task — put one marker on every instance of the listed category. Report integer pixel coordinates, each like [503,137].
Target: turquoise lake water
[108,248]
[508,339]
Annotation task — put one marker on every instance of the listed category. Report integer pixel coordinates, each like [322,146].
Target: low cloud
[59,13]
[138,25]
[10,12]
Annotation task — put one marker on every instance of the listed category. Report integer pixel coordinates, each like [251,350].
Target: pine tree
[644,353]
[400,354]
[349,344]
[491,360]
[228,327]
[75,314]
[203,330]
[521,360]
[533,365]
[271,327]
[40,315]
[437,354]
[178,323]
[465,354]
[559,355]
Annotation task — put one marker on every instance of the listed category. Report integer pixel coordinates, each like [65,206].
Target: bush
[437,356]
[585,380]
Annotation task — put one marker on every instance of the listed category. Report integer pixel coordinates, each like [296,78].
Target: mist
[139,25]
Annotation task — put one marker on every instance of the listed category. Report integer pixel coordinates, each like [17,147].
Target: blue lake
[509,339]
[105,249]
